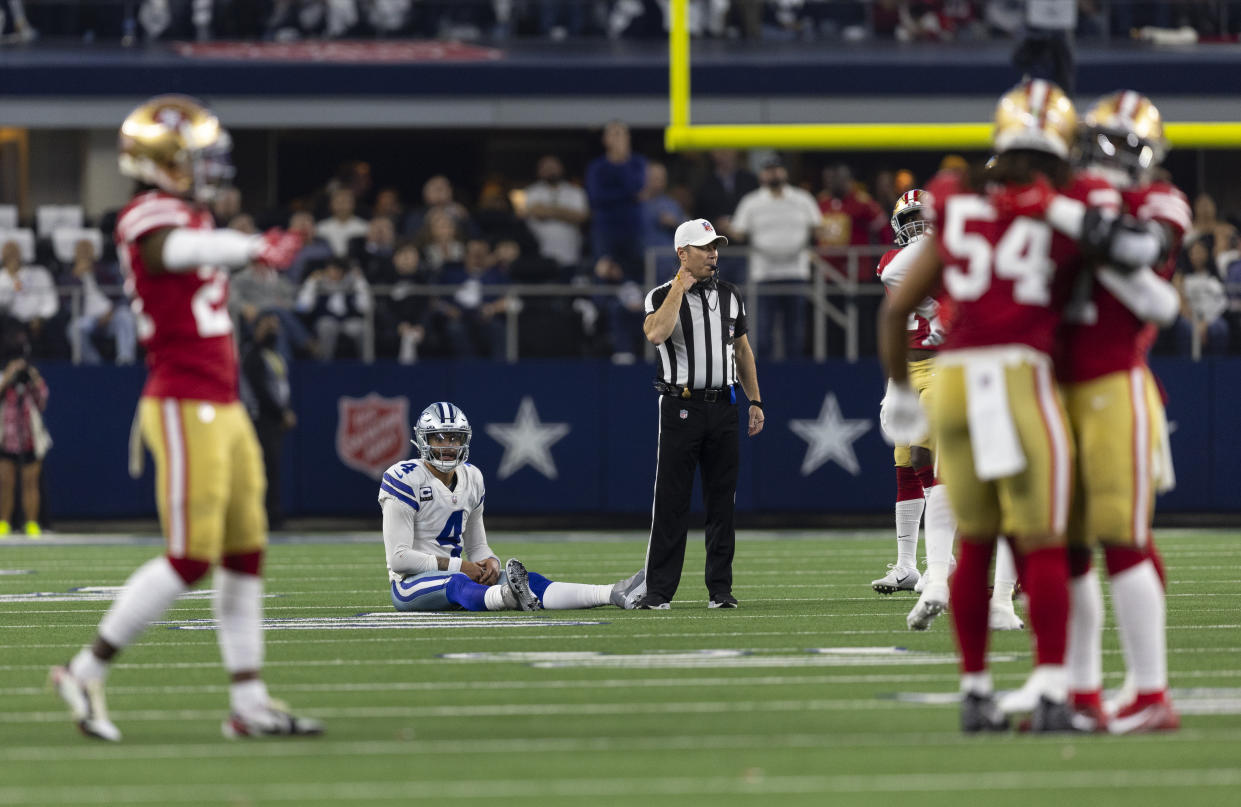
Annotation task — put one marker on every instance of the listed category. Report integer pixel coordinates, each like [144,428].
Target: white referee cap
[697,233]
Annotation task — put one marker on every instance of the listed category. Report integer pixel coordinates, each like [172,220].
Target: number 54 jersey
[444,522]
[1009,279]
[182,317]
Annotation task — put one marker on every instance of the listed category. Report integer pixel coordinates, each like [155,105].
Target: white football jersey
[430,520]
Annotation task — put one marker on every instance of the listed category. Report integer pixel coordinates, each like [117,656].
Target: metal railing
[832,293]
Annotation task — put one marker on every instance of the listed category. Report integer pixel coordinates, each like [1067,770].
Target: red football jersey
[183,319]
[919,327]
[1009,279]
[1101,335]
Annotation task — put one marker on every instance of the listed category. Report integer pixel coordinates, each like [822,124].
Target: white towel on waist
[1163,471]
[993,435]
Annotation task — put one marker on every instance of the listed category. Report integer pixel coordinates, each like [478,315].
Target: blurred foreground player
[436,544]
[209,471]
[1005,452]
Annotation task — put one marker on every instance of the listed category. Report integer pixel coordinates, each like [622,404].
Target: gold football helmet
[178,145]
[909,216]
[1122,138]
[1035,115]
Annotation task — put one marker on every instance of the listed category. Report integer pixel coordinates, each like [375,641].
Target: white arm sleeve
[190,249]
[1129,247]
[927,309]
[474,537]
[1146,294]
[398,541]
[1066,215]
[894,273]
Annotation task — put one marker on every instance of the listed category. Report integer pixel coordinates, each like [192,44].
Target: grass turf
[686,707]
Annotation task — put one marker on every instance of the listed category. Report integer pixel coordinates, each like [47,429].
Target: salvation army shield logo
[372,432]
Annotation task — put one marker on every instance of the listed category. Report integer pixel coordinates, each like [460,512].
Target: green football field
[812,693]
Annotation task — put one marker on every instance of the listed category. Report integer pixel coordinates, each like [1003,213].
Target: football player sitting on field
[433,514]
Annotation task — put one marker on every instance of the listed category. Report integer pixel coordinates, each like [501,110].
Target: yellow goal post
[682,135]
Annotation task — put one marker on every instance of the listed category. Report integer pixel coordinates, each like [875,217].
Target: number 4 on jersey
[451,534]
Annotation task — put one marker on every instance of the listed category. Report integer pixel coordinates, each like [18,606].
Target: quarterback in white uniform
[438,557]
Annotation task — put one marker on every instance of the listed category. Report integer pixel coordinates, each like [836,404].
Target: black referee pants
[693,433]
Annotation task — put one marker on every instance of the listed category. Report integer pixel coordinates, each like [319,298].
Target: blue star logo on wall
[527,441]
[830,437]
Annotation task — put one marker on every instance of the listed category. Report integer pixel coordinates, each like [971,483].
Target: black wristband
[759,404]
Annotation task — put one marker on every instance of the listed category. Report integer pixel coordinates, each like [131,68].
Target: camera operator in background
[23,438]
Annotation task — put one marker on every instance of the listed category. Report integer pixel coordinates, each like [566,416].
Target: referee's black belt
[719,395]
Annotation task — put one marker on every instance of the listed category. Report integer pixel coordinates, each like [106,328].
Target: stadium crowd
[501,20]
[412,273]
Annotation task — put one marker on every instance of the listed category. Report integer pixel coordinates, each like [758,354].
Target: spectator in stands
[661,214]
[614,182]
[101,315]
[495,220]
[266,391]
[402,316]
[28,295]
[1206,221]
[624,309]
[437,194]
[850,216]
[388,205]
[555,210]
[779,220]
[342,224]
[373,251]
[440,240]
[480,313]
[23,437]
[1203,303]
[226,205]
[314,251]
[336,300]
[257,291]
[243,223]
[717,196]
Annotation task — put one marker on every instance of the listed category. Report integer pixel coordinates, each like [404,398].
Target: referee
[698,324]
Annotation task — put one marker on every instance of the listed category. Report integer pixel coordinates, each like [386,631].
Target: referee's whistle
[685,393]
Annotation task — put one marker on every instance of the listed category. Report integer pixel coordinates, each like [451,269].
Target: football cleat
[979,713]
[1087,709]
[1051,716]
[272,721]
[898,578]
[1004,617]
[932,603]
[626,592]
[1123,697]
[722,601]
[519,585]
[86,703]
[1143,717]
[1022,700]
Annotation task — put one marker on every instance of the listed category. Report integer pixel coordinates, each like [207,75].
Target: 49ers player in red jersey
[209,471]
[1118,423]
[915,466]
[1005,453]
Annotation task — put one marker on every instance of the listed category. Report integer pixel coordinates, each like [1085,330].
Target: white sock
[978,683]
[908,516]
[86,666]
[1052,682]
[248,696]
[1083,657]
[238,607]
[493,598]
[1005,574]
[941,528]
[1137,600]
[148,593]
[567,596]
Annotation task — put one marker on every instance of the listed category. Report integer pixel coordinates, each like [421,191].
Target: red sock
[969,600]
[1047,586]
[1087,700]
[1145,699]
[926,476]
[907,485]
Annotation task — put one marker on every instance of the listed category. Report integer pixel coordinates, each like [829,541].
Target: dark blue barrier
[579,437]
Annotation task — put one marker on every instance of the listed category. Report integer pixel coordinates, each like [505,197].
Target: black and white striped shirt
[699,352]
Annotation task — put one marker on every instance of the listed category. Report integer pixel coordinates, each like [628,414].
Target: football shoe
[1143,716]
[86,704]
[932,603]
[898,578]
[1003,616]
[519,584]
[274,720]
[626,592]
[980,713]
